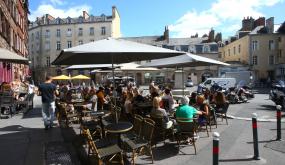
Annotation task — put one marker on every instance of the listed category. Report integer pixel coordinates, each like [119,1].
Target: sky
[183,17]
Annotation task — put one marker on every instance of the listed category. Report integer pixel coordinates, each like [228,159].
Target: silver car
[189,83]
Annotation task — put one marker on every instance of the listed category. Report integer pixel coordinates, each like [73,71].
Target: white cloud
[221,13]
[191,23]
[53,10]
[57,2]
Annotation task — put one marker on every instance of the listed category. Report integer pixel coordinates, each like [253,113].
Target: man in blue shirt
[48,91]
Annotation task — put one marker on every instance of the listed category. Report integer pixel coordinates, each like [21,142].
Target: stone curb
[249,119]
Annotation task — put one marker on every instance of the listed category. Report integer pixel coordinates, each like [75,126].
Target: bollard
[255,137]
[216,139]
[278,115]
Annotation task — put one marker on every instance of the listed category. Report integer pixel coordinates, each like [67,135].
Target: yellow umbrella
[80,77]
[61,77]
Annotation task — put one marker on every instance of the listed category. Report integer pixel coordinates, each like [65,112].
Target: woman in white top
[128,105]
[157,111]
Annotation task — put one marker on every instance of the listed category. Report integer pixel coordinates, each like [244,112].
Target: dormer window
[80,19]
[68,20]
[206,49]
[58,21]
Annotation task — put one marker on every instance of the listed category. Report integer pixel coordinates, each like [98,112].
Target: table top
[99,113]
[119,127]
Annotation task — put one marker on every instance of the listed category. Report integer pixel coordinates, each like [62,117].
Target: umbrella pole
[113,74]
[183,82]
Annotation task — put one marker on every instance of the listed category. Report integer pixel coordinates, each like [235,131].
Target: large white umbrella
[185,60]
[111,51]
[8,56]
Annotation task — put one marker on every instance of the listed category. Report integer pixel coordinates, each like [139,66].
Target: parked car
[277,93]
[189,83]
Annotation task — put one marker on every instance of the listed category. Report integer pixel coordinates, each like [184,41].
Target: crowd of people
[129,97]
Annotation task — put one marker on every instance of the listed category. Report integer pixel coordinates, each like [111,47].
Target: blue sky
[184,17]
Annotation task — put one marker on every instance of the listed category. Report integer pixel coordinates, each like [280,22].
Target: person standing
[48,91]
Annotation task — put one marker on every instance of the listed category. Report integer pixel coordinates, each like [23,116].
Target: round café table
[118,128]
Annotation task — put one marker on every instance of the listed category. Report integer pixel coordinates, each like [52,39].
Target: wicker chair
[144,141]
[187,129]
[136,131]
[66,116]
[105,153]
[222,112]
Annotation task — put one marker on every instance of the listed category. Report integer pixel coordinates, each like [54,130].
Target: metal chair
[186,129]
[144,141]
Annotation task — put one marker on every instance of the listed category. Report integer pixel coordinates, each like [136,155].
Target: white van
[223,82]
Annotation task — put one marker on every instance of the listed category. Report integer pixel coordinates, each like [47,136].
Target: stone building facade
[14,37]
[206,46]
[261,50]
[49,35]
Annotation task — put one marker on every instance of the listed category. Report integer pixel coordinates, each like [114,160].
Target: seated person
[193,99]
[85,93]
[159,112]
[171,103]
[220,100]
[101,98]
[129,106]
[185,111]
[204,107]
[137,95]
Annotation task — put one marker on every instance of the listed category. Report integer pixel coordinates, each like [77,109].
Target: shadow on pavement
[264,141]
[33,113]
[237,160]
[267,107]
[170,148]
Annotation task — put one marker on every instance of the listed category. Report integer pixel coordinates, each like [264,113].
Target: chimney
[211,35]
[85,15]
[270,25]
[166,34]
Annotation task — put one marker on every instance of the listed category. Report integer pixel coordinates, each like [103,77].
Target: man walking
[48,91]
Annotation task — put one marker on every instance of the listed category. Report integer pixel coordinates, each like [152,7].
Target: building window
[47,35]
[91,31]
[58,45]
[48,61]
[32,39]
[37,35]
[206,49]
[80,42]
[47,45]
[69,32]
[57,32]
[254,60]
[69,44]
[254,45]
[280,53]
[279,39]
[80,31]
[229,52]
[282,71]
[271,60]
[238,48]
[103,30]
[234,50]
[271,45]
